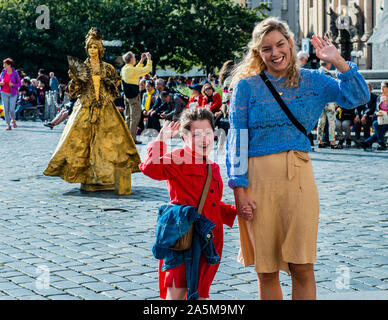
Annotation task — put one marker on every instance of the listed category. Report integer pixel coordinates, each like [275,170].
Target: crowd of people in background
[338,123]
[147,100]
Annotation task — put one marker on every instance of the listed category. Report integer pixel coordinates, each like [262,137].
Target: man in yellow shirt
[130,76]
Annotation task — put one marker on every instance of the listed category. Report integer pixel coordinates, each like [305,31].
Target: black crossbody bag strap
[287,111]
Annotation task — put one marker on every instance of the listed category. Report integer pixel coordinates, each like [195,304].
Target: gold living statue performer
[96,148]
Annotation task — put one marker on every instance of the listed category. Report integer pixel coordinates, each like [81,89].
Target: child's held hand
[169,131]
[247,212]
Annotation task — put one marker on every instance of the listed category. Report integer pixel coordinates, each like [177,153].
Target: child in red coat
[185,173]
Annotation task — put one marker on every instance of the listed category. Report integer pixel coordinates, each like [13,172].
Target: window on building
[284,5]
[311,3]
[268,2]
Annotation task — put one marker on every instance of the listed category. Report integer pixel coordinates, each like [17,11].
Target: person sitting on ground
[31,88]
[196,99]
[345,118]
[62,94]
[63,114]
[159,106]
[43,77]
[379,129]
[212,99]
[175,106]
[364,117]
[26,100]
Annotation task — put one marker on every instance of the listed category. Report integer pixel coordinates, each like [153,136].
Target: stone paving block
[369,281]
[220,296]
[220,287]
[247,276]
[145,293]
[128,285]
[241,295]
[250,288]
[8,286]
[64,297]
[33,297]
[7,298]
[19,292]
[9,274]
[110,278]
[383,286]
[68,274]
[117,294]
[98,286]
[84,293]
[43,291]
[361,286]
[65,284]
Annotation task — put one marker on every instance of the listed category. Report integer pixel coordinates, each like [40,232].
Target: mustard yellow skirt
[285,224]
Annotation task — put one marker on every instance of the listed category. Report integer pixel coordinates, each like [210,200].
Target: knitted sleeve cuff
[238,182]
[349,74]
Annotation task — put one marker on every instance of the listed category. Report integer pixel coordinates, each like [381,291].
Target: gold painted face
[93,51]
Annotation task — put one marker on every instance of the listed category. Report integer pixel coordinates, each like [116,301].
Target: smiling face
[149,87]
[275,50]
[200,138]
[208,91]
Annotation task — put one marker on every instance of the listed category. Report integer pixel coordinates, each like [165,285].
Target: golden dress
[96,148]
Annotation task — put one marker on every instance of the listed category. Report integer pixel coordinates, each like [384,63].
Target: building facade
[348,23]
[287,10]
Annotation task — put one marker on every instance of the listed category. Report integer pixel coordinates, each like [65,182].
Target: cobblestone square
[57,242]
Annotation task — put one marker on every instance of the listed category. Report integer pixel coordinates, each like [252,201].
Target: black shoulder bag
[287,111]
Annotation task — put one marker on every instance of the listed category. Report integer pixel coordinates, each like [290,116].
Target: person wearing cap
[196,99]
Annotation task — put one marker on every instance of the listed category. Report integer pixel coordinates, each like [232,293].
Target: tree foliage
[178,33]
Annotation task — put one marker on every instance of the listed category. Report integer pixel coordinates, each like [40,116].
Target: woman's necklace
[277,89]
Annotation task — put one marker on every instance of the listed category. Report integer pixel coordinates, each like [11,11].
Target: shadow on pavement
[138,193]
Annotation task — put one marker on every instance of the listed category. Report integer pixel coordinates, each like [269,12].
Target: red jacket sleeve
[217,103]
[157,164]
[228,214]
[200,100]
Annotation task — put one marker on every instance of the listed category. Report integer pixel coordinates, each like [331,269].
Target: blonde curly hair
[253,64]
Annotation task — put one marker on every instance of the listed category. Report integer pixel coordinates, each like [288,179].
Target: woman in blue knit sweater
[267,156]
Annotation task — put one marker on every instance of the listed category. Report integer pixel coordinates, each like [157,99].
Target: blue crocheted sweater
[258,125]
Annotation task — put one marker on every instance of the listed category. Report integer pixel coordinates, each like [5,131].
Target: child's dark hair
[23,88]
[188,116]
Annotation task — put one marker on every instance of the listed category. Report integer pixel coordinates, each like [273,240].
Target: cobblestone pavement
[59,243]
